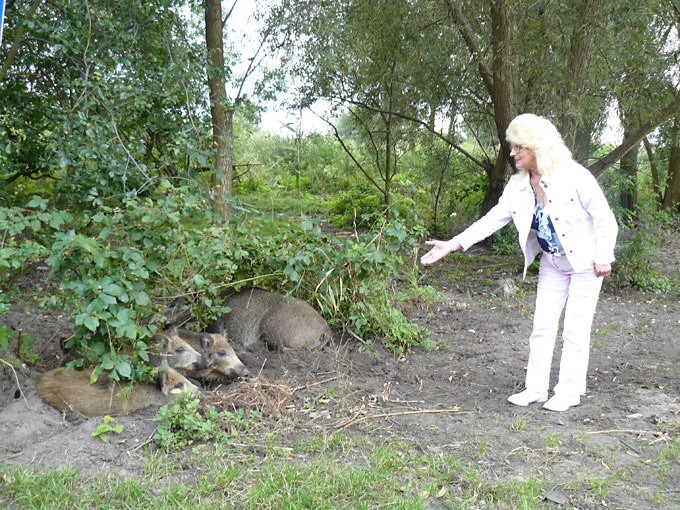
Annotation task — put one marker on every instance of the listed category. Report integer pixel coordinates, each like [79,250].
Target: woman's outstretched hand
[440,249]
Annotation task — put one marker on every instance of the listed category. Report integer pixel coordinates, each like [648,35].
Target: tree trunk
[671,197]
[504,97]
[388,166]
[222,116]
[587,13]
[18,36]
[654,168]
[629,191]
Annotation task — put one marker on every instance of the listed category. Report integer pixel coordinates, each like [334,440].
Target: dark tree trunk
[222,115]
[504,97]
[671,197]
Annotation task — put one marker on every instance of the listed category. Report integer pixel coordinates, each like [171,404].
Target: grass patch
[343,474]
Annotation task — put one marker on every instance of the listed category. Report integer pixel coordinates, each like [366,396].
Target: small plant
[6,335]
[102,431]
[668,457]
[519,422]
[25,352]
[551,440]
[185,422]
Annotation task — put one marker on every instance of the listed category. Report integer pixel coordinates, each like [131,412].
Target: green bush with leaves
[633,266]
[120,266]
[26,235]
[638,250]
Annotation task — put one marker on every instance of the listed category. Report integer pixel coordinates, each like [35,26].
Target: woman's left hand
[603,269]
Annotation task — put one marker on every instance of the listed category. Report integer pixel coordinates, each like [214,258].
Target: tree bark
[221,114]
[654,168]
[500,82]
[671,197]
[18,36]
[504,97]
[629,191]
[587,13]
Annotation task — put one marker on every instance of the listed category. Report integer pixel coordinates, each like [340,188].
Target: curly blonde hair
[541,137]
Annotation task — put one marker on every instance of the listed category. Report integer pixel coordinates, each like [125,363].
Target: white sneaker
[527,397]
[561,403]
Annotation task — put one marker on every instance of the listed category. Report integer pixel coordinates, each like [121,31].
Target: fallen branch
[624,431]
[391,415]
[312,384]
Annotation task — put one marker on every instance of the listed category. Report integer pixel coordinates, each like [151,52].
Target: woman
[559,210]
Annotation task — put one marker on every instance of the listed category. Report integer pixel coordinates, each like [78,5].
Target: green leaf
[142,298]
[124,370]
[91,322]
[113,289]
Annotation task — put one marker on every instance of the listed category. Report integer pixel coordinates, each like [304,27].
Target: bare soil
[609,452]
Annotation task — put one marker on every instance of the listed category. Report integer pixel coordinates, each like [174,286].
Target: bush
[639,249]
[119,267]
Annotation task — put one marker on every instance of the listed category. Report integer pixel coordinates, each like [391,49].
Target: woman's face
[524,158]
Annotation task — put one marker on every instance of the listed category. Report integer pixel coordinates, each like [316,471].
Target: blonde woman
[560,211]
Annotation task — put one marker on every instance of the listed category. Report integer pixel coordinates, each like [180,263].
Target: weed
[102,431]
[599,485]
[25,344]
[551,440]
[519,422]
[604,330]
[6,335]
[668,457]
[186,421]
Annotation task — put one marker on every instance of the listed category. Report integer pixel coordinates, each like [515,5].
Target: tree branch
[484,165]
[635,138]
[18,38]
[468,37]
[349,153]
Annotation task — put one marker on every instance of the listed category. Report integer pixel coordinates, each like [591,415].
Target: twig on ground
[16,378]
[624,431]
[312,384]
[354,421]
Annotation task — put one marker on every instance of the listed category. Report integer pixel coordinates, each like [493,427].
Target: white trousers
[559,284]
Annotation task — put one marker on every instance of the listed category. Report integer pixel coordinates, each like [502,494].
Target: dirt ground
[606,453]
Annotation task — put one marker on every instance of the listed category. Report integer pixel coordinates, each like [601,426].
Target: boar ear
[206,341]
[162,379]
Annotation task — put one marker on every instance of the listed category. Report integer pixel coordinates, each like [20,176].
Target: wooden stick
[16,378]
[624,431]
[312,384]
[390,415]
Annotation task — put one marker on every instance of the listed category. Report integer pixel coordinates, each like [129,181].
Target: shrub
[118,268]
[637,252]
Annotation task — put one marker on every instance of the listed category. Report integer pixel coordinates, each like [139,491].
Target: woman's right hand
[440,249]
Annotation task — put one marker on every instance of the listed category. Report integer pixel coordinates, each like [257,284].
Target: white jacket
[579,211]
